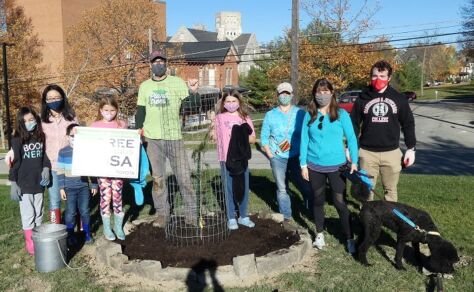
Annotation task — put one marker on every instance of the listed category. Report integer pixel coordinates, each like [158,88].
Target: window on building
[212,77]
[201,76]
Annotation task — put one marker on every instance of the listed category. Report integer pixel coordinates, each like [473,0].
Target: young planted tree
[107,52]
[24,63]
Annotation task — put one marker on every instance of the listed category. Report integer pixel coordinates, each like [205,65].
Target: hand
[304,173]
[409,157]
[213,136]
[9,158]
[94,192]
[193,85]
[269,154]
[63,194]
[140,132]
[15,192]
[348,155]
[45,177]
[353,168]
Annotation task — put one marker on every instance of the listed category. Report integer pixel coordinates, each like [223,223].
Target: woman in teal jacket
[322,153]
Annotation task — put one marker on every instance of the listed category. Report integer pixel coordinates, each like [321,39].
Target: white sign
[103,152]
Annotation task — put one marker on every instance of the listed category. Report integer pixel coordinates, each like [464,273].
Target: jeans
[284,170]
[158,151]
[229,196]
[53,191]
[77,198]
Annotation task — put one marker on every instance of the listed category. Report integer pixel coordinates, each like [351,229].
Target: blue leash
[405,218]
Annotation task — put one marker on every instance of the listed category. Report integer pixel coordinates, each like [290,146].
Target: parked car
[346,100]
[411,95]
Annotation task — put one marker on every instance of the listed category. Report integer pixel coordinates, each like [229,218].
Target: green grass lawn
[449,200]
[462,90]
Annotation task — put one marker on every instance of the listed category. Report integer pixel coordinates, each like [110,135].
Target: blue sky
[269,18]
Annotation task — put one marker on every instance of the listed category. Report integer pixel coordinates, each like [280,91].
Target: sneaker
[246,222]
[160,221]
[232,224]
[351,248]
[319,241]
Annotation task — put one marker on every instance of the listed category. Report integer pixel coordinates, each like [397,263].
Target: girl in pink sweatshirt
[110,188]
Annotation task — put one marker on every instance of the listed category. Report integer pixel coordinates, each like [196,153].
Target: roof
[202,52]
[203,35]
[241,42]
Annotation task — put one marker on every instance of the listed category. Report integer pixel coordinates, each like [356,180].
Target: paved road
[445,134]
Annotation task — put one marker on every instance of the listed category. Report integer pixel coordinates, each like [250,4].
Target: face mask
[231,107]
[55,105]
[158,69]
[378,84]
[71,141]
[107,116]
[323,99]
[30,126]
[284,99]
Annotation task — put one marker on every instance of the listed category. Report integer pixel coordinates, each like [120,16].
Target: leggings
[110,190]
[318,187]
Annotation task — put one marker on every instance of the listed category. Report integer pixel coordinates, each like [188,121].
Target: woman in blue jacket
[322,153]
[280,138]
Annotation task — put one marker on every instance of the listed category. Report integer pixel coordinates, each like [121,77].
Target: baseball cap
[284,87]
[157,54]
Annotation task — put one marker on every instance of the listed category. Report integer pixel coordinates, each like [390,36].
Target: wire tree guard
[195,193]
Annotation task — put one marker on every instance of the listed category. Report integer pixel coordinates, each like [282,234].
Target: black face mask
[158,69]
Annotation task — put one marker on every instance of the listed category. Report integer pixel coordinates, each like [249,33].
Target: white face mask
[108,116]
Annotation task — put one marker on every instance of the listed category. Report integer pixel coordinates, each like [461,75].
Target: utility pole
[150,40]
[5,92]
[294,47]
[422,71]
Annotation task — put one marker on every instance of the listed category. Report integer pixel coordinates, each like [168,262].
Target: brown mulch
[148,242]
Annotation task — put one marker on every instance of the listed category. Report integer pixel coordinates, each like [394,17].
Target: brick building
[52,18]
[214,63]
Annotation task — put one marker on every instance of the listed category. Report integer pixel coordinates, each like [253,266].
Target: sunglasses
[320,125]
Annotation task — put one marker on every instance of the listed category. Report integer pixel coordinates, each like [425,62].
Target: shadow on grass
[265,189]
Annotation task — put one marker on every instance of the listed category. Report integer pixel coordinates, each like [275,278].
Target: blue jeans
[77,198]
[53,192]
[285,170]
[229,196]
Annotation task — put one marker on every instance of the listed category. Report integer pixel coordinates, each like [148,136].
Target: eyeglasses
[53,100]
[320,125]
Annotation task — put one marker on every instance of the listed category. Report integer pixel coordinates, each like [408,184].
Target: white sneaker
[319,241]
[232,224]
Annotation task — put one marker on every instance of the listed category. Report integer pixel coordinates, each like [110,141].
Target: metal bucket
[50,247]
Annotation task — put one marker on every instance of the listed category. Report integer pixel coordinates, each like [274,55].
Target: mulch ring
[149,243]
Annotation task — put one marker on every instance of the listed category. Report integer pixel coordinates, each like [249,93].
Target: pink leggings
[110,189]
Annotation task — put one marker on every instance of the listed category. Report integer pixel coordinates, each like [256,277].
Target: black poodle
[375,214]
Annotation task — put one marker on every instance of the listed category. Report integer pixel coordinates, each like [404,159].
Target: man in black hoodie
[377,116]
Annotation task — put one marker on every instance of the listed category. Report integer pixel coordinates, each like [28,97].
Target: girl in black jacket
[29,173]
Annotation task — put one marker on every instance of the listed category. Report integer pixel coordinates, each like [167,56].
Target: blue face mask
[284,99]
[55,105]
[30,126]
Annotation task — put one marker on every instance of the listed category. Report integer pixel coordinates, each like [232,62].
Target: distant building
[214,63]
[52,18]
[228,28]
[228,25]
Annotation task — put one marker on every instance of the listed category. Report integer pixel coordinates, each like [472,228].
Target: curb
[110,253]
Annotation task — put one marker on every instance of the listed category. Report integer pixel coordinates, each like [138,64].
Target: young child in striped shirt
[74,190]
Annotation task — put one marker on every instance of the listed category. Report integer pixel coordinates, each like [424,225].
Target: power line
[181,61]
